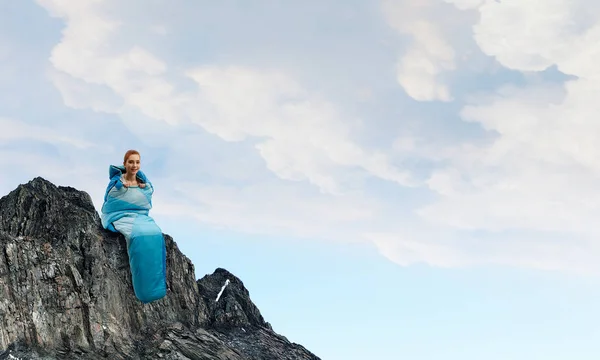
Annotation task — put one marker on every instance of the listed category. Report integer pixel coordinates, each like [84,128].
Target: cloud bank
[475,145]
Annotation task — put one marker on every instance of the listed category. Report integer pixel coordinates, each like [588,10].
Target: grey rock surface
[66,293]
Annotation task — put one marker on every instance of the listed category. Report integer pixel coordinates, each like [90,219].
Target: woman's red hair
[129,153]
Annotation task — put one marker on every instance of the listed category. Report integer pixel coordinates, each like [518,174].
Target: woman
[127,202]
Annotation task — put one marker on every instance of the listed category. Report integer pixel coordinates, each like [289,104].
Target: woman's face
[132,165]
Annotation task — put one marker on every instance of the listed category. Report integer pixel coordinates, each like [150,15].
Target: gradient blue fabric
[126,210]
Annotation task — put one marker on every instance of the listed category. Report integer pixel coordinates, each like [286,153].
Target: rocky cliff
[66,293]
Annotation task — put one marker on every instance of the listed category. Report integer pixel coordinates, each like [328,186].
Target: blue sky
[390,179]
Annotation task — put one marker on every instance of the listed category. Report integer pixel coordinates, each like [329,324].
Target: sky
[391,179]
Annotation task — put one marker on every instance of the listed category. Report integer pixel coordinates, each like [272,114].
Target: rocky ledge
[66,293]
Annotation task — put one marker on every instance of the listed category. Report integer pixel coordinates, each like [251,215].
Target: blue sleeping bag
[125,210]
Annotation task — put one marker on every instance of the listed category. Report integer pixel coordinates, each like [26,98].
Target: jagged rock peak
[44,188]
[41,209]
[66,293]
[234,307]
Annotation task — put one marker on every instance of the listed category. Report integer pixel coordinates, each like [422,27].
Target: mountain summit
[66,293]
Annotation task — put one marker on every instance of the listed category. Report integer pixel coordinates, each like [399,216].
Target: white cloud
[134,74]
[159,29]
[305,138]
[17,130]
[444,248]
[300,137]
[421,67]
[97,61]
[532,35]
[78,94]
[409,247]
[272,207]
[514,183]
[529,192]
[538,173]
[419,70]
[465,4]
